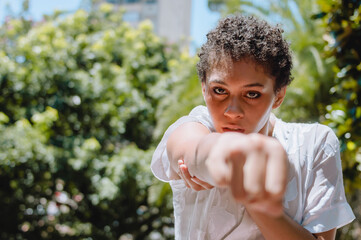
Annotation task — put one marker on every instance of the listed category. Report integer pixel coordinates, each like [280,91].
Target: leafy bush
[78,100]
[342,21]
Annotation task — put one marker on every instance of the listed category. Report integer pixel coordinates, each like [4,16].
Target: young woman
[261,178]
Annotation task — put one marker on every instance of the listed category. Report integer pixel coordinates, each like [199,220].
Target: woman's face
[240,98]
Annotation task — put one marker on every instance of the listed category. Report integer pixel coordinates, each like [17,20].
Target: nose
[234,109]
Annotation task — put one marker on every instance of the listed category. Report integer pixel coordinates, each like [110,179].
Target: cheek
[211,101]
[215,108]
[263,118]
[262,108]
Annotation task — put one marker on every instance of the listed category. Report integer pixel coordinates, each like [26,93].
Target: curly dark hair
[239,38]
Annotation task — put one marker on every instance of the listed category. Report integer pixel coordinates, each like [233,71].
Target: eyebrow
[254,85]
[224,83]
[217,81]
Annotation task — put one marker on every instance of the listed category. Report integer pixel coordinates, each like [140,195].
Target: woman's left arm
[278,228]
[283,227]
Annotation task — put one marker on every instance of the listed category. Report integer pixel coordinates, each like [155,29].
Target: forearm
[280,228]
[182,144]
[197,163]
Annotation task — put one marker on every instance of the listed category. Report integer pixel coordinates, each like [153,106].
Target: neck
[271,125]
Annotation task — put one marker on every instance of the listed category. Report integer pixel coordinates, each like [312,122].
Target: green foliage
[344,114]
[78,101]
[308,93]
[343,32]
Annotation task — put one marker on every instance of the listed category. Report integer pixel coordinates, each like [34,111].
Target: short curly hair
[239,38]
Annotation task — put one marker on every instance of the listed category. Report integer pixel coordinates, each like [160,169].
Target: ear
[280,95]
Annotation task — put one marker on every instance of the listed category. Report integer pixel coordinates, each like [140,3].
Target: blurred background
[87,89]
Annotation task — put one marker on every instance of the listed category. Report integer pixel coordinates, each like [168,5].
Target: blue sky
[202,18]
[39,7]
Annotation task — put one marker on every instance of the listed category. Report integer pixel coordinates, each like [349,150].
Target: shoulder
[306,138]
[201,114]
[309,144]
[307,133]
[318,135]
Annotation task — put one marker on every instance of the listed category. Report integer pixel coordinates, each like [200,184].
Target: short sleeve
[326,206]
[160,165]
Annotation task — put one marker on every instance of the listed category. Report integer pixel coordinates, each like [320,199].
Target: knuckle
[256,141]
[276,145]
[256,136]
[255,192]
[278,194]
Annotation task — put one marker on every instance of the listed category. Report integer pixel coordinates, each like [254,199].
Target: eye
[253,95]
[219,91]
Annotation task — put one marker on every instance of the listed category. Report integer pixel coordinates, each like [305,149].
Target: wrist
[259,211]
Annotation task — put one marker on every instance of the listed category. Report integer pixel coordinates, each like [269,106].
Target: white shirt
[314,196]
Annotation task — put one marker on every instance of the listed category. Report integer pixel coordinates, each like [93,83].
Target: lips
[233,129]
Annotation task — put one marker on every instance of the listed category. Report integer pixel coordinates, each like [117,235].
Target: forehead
[244,70]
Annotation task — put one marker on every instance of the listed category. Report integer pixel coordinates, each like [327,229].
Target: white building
[171,18]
